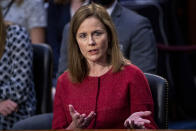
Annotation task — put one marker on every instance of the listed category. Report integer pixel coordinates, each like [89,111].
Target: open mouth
[94,51]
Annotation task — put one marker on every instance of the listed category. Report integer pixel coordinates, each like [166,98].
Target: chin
[93,59]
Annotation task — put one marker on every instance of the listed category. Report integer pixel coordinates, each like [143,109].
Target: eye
[82,35]
[98,33]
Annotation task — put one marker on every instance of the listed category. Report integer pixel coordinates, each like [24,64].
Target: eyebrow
[93,31]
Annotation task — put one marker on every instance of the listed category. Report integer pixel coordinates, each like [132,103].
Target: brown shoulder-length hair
[77,64]
[2,34]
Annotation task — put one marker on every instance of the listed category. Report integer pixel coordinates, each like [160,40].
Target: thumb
[71,109]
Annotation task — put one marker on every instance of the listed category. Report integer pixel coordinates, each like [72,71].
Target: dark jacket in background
[58,17]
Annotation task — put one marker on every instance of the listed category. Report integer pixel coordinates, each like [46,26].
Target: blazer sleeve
[141,98]
[143,51]
[59,116]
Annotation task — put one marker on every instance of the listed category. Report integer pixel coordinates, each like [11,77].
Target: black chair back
[159,89]
[42,68]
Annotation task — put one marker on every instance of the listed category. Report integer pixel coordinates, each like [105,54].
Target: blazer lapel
[116,15]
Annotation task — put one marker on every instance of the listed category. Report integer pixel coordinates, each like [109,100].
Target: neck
[96,69]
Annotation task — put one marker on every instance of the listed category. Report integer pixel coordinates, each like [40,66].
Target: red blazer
[113,97]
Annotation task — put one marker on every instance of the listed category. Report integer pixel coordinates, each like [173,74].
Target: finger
[10,108]
[76,116]
[130,124]
[89,118]
[147,113]
[13,104]
[140,122]
[143,113]
[139,125]
[83,115]
[79,122]
[81,119]
[140,114]
[71,109]
[5,112]
[127,124]
[143,120]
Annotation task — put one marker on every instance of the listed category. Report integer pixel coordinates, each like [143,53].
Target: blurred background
[174,26]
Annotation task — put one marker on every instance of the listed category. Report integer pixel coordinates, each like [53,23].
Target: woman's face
[92,39]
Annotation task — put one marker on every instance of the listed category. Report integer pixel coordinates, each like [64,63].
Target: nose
[91,41]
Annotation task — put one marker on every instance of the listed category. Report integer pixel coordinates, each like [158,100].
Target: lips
[93,51]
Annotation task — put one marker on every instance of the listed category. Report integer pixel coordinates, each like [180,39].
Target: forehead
[91,23]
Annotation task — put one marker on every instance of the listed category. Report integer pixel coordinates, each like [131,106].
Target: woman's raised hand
[135,121]
[80,120]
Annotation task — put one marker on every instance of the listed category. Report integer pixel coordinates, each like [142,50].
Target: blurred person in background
[28,13]
[17,95]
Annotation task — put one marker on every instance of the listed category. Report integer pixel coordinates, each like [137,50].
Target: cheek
[82,47]
[104,44]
